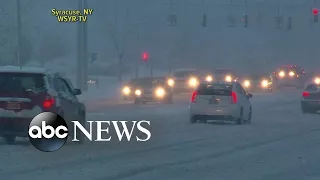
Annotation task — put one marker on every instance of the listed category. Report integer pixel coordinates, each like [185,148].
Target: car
[127,93]
[184,80]
[27,92]
[221,74]
[226,101]
[152,89]
[257,83]
[128,88]
[290,76]
[310,100]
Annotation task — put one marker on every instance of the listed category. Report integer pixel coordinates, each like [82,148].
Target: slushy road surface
[280,144]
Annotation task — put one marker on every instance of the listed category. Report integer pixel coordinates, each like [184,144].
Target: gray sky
[188,42]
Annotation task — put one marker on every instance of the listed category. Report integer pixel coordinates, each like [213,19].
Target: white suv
[221,101]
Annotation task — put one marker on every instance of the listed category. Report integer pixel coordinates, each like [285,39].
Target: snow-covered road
[281,143]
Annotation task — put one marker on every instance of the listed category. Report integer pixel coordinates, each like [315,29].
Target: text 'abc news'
[121,128]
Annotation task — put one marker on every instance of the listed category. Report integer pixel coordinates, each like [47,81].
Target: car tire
[193,120]
[304,110]
[239,120]
[204,121]
[169,100]
[249,116]
[10,139]
[136,101]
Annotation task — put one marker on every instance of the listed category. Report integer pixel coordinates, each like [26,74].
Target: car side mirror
[77,92]
[249,95]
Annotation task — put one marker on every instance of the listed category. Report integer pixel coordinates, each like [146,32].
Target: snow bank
[103,87]
[24,113]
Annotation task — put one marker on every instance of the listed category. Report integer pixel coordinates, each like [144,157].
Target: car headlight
[291,73]
[138,92]
[171,82]
[246,83]
[228,78]
[209,78]
[264,83]
[281,74]
[126,90]
[317,80]
[160,92]
[193,82]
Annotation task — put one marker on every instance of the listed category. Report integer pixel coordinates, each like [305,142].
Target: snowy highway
[281,143]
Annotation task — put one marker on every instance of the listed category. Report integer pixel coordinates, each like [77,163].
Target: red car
[26,92]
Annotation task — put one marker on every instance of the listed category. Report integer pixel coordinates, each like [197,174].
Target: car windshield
[222,71]
[20,82]
[183,73]
[259,77]
[288,69]
[148,82]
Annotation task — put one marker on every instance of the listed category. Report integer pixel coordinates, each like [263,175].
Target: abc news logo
[49,132]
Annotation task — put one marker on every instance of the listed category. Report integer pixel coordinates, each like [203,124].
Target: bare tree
[26,51]
[52,47]
[8,35]
[119,37]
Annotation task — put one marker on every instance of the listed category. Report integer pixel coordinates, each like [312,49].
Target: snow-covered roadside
[104,88]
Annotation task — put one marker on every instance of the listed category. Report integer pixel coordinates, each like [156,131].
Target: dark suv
[26,92]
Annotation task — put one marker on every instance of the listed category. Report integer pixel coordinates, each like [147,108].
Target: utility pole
[19,33]
[204,15]
[136,69]
[82,51]
[278,18]
[172,17]
[184,36]
[79,50]
[85,51]
[246,15]
[151,68]
[289,23]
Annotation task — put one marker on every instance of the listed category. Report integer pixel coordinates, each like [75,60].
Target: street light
[315,13]
[145,56]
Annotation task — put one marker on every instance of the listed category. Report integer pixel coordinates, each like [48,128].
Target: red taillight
[193,97]
[48,103]
[234,97]
[305,94]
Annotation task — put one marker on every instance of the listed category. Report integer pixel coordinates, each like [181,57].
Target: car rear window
[215,89]
[312,87]
[19,82]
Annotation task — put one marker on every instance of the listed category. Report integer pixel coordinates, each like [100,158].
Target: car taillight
[305,94]
[234,97]
[48,103]
[194,96]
